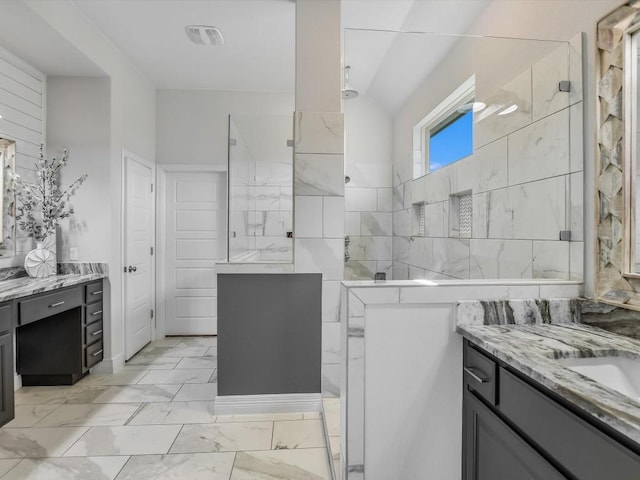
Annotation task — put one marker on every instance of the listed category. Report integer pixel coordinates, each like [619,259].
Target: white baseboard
[110,365]
[261,404]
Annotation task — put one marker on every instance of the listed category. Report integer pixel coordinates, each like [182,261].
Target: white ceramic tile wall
[319,223]
[526,179]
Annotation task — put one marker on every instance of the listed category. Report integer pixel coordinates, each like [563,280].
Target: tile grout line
[174,440]
[122,468]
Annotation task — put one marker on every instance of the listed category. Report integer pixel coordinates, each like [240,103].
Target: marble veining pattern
[83,268]
[25,286]
[94,430]
[532,349]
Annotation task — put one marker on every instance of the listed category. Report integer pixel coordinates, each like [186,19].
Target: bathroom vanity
[546,395]
[57,324]
[515,428]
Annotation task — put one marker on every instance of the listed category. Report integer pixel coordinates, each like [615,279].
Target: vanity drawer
[480,373]
[6,317]
[585,451]
[93,333]
[93,292]
[94,354]
[50,304]
[93,313]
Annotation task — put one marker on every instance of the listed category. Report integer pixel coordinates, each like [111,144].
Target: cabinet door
[492,451]
[6,380]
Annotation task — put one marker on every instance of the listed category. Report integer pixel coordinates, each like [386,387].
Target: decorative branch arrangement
[41,205]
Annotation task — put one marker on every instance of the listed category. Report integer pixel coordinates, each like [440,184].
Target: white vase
[40,262]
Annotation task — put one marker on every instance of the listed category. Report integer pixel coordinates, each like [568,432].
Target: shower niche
[260,189]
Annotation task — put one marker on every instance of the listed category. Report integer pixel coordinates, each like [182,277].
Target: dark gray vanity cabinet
[495,452]
[7,316]
[59,335]
[515,428]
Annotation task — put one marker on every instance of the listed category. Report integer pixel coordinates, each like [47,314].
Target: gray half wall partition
[269,333]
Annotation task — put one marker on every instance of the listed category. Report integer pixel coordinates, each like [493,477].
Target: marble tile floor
[155,419]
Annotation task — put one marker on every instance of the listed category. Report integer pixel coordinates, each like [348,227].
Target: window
[445,135]
[451,140]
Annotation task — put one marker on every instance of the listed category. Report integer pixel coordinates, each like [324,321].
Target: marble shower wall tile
[540,150]
[451,257]
[401,249]
[330,301]
[330,343]
[369,174]
[488,125]
[501,259]
[371,248]
[398,197]
[333,217]
[551,260]
[385,199]
[533,210]
[319,132]
[330,380]
[376,224]
[308,217]
[402,223]
[277,224]
[547,74]
[361,199]
[320,255]
[480,224]
[435,219]
[274,248]
[485,170]
[319,174]
[274,173]
[352,223]
[360,270]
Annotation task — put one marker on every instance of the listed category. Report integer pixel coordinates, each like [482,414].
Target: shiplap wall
[22,106]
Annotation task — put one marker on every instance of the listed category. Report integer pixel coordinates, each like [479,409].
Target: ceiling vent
[204,34]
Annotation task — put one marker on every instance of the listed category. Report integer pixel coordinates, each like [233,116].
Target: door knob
[132,268]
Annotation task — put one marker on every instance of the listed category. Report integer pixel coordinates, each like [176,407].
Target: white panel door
[138,212]
[194,233]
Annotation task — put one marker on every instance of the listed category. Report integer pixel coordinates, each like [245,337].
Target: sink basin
[618,373]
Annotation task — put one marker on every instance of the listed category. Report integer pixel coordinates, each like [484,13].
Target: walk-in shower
[260,188]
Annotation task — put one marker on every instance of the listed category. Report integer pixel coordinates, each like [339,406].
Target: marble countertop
[532,349]
[25,286]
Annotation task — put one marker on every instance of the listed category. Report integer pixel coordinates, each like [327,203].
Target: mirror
[7,200]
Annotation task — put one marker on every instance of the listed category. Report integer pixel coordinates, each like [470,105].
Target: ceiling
[259,49]
[389,66]
[258,53]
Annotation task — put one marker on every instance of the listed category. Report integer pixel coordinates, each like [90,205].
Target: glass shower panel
[260,188]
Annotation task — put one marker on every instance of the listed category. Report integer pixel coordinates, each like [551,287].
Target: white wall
[78,119]
[368,217]
[192,125]
[132,127]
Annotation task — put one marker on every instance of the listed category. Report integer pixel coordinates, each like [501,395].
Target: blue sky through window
[453,142]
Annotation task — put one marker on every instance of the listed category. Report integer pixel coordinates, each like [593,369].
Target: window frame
[464,94]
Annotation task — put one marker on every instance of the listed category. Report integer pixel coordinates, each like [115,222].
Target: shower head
[348,91]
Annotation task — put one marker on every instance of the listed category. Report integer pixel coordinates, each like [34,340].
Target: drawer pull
[96,333]
[57,304]
[473,373]
[97,312]
[97,353]
[97,292]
